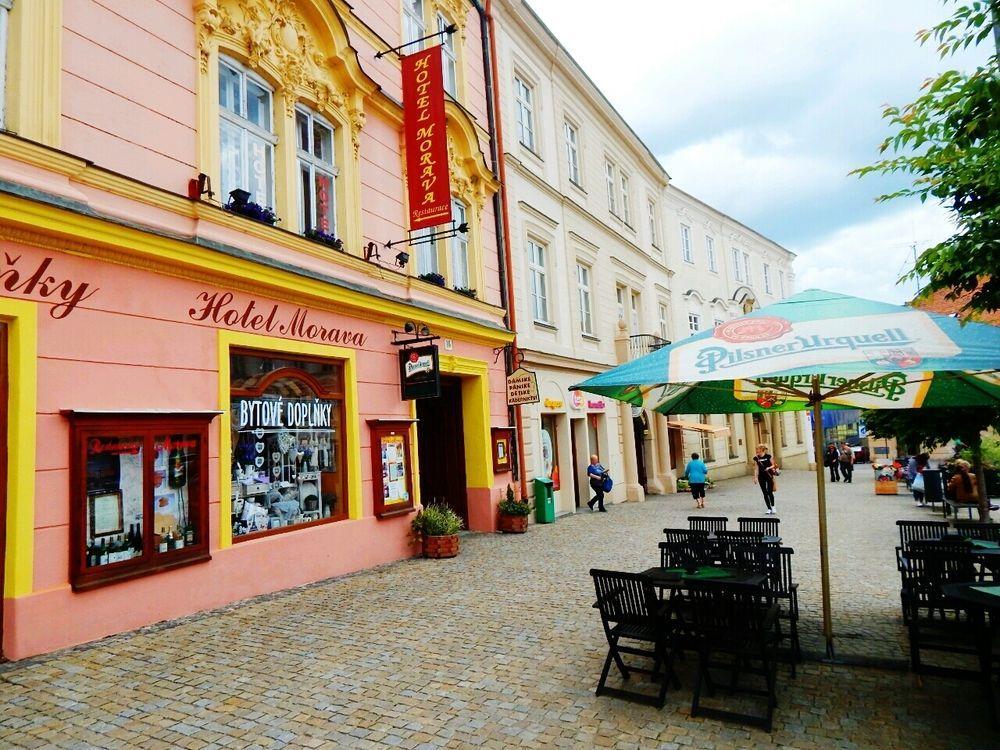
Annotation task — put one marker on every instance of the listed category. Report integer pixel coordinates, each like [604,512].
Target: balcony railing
[641,344]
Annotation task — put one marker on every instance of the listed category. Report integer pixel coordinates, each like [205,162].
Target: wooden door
[441,447]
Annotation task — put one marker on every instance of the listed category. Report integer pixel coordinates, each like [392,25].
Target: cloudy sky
[762,108]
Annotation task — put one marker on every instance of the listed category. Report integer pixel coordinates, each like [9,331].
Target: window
[635,309]
[664,321]
[449,57]
[572,152]
[620,299]
[288,444]
[583,285]
[5,6]
[746,268]
[737,268]
[710,254]
[694,323]
[524,96]
[247,139]
[626,203]
[317,173]
[781,284]
[686,252]
[654,235]
[550,446]
[767,278]
[609,174]
[459,249]
[426,251]
[539,292]
[731,439]
[707,441]
[413,21]
[141,499]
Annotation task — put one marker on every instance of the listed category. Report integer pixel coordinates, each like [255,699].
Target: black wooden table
[675,578]
[979,598]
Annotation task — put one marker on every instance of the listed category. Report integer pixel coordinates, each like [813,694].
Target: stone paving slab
[497,648]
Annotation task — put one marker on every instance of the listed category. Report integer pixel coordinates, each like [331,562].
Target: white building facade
[602,274]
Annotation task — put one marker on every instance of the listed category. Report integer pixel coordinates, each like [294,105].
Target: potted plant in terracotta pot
[437,526]
[513,513]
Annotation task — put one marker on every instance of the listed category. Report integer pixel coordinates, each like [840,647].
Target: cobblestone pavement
[497,648]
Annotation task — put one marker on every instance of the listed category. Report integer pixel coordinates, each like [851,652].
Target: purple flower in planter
[324,238]
[432,278]
[253,211]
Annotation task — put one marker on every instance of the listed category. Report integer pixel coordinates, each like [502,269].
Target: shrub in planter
[324,238]
[255,211]
[513,513]
[471,293]
[437,526]
[432,278]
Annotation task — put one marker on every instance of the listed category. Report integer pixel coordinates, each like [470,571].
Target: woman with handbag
[765,474]
[915,468]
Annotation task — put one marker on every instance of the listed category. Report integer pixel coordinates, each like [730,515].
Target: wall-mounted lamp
[202,185]
[239,197]
[413,333]
[402,258]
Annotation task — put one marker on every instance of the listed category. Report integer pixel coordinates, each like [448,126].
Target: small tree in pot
[513,513]
[437,527]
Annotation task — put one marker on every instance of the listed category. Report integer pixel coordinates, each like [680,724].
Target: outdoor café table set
[720,597]
[950,597]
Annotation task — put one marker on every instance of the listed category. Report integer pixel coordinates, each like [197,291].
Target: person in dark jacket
[846,462]
[597,474]
[832,459]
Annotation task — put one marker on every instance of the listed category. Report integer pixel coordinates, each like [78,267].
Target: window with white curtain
[524,97]
[459,248]
[572,137]
[664,321]
[609,175]
[317,172]
[686,250]
[413,22]
[694,323]
[781,284]
[767,278]
[746,268]
[737,265]
[5,7]
[449,57]
[626,200]
[635,312]
[620,300]
[247,138]
[583,287]
[710,254]
[538,284]
[426,251]
[654,234]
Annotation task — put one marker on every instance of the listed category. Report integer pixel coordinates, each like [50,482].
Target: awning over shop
[677,424]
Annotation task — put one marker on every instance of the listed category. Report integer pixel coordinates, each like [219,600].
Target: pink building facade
[202,405]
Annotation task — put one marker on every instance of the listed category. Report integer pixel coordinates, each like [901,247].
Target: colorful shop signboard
[522,388]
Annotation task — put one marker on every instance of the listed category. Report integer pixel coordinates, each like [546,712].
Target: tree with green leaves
[933,427]
[948,143]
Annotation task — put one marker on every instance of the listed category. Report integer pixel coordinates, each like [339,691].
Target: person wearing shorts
[696,472]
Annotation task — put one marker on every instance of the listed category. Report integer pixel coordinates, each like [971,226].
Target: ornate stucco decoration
[457,10]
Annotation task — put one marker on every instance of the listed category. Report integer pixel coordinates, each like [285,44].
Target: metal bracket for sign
[440,234]
[414,335]
[516,360]
[449,29]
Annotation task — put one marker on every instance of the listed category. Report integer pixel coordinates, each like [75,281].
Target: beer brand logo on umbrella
[768,399]
[745,330]
[901,358]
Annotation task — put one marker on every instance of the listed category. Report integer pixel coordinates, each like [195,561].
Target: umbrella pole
[824,562]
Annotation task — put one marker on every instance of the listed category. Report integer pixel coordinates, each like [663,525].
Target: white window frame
[620,300]
[571,136]
[5,8]
[781,283]
[461,274]
[611,181]
[538,281]
[308,160]
[767,278]
[635,311]
[663,313]
[737,269]
[687,252]
[623,181]
[710,253]
[414,26]
[654,234]
[449,57]
[426,252]
[746,267]
[524,106]
[248,129]
[583,276]
[694,323]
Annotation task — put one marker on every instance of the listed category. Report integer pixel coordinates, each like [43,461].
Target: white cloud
[866,259]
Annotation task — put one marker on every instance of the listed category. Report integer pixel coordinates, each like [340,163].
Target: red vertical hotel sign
[426,139]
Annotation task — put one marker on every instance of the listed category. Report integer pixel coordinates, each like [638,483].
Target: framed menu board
[392,467]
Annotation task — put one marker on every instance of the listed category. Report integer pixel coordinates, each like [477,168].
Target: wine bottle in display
[102,556]
[171,541]
[189,534]
[178,472]
[163,540]
[137,540]
[93,554]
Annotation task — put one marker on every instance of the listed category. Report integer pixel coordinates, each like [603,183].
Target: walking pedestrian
[846,462]
[696,472]
[832,459]
[767,470]
[598,474]
[915,470]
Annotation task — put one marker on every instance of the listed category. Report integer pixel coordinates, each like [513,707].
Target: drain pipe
[500,216]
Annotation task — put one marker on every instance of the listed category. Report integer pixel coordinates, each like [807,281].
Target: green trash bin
[545,501]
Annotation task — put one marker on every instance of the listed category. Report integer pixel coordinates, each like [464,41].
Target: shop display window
[287,461]
[140,503]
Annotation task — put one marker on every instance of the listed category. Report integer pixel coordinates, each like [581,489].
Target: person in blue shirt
[696,472]
[597,473]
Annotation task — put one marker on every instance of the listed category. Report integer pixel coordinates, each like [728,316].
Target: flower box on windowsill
[255,211]
[324,238]
[432,278]
[470,293]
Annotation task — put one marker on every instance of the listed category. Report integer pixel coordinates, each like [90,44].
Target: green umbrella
[816,350]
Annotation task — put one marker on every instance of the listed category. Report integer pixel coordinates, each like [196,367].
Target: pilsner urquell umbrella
[816,350]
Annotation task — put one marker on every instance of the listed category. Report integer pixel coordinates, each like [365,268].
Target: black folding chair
[911,530]
[686,535]
[711,524]
[735,629]
[630,611]
[765,526]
